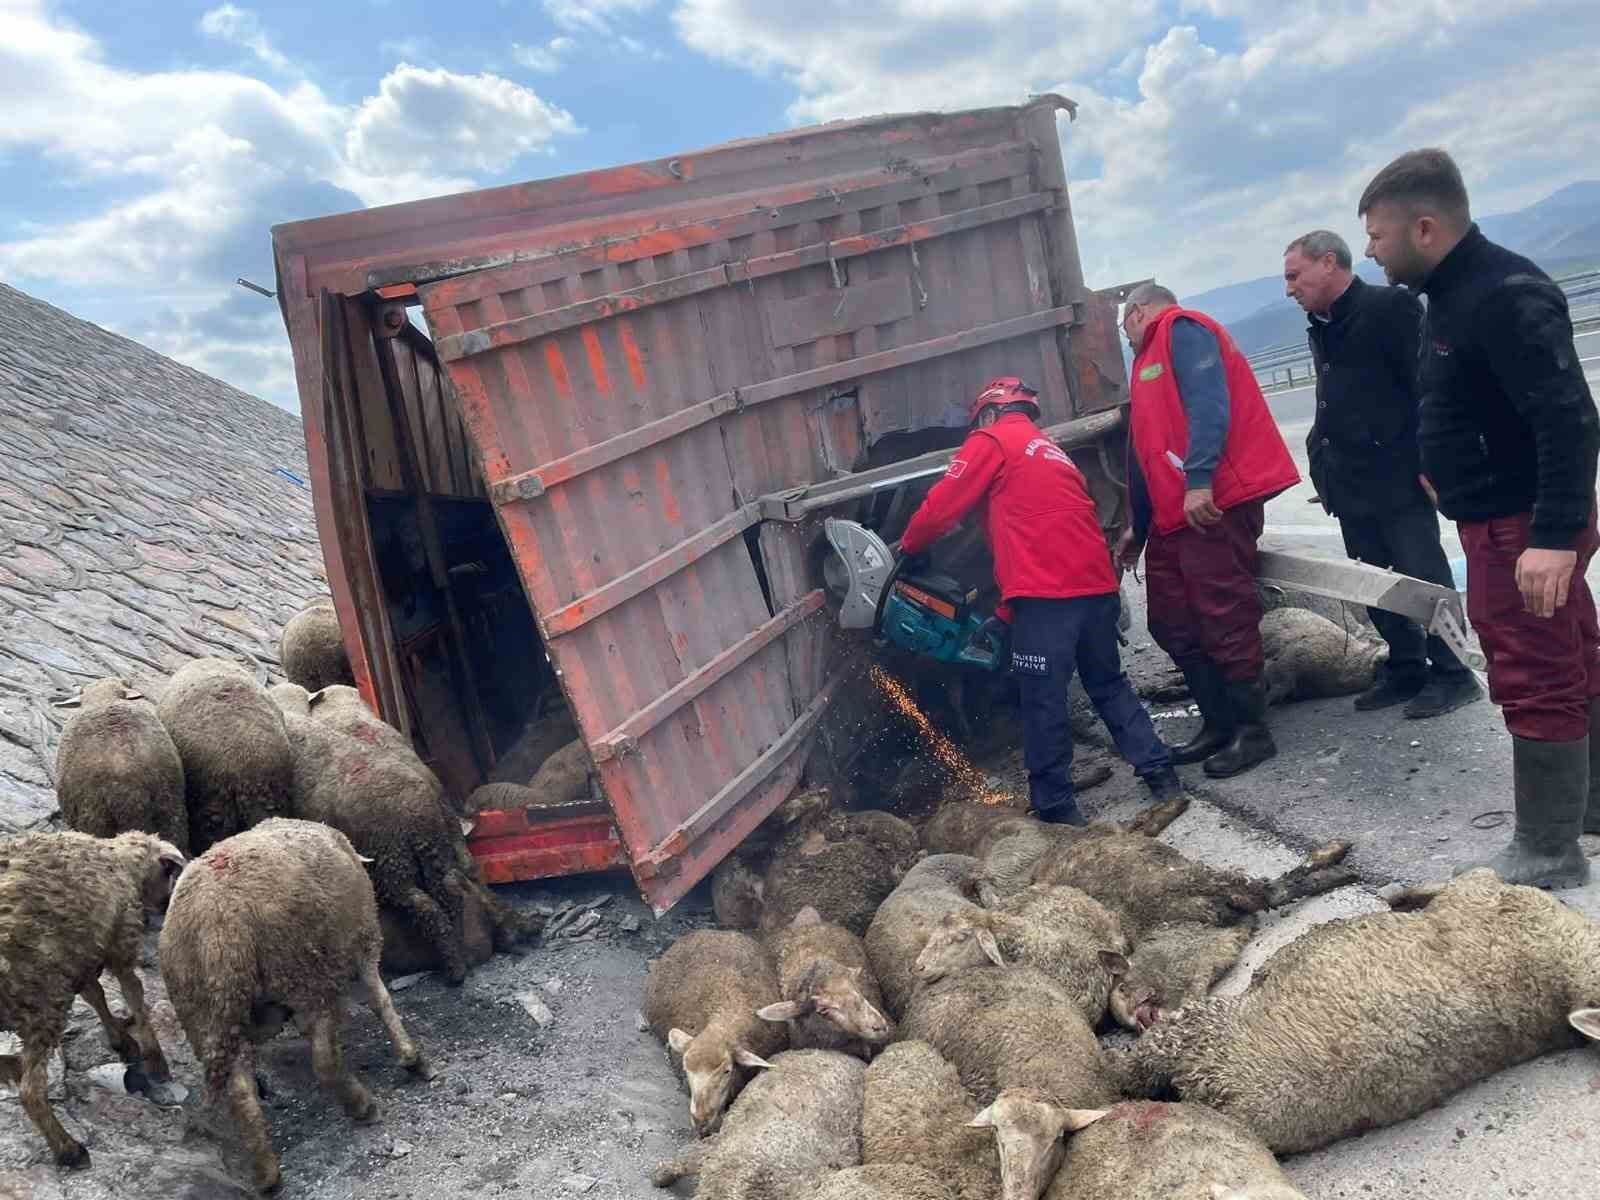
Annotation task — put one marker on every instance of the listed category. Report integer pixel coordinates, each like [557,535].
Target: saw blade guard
[856,572]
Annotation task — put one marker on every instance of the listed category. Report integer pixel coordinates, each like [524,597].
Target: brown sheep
[117,769]
[342,709]
[830,999]
[1168,1152]
[267,925]
[1171,966]
[701,998]
[916,1114]
[1063,932]
[395,818]
[937,885]
[1149,883]
[1374,1019]
[312,648]
[72,906]
[237,764]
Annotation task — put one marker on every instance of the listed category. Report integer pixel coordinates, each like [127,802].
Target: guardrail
[1288,366]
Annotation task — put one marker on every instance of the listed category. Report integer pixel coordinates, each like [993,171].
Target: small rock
[111,1076]
[553,986]
[509,1096]
[401,1149]
[537,1009]
[579,1183]
[1415,744]
[583,924]
[640,1023]
[630,924]
[405,981]
[1443,837]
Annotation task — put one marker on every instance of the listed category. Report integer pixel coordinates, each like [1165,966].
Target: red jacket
[1255,462]
[1042,526]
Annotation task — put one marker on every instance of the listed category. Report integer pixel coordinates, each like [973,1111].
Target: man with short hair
[1364,460]
[1205,457]
[1509,438]
[1057,587]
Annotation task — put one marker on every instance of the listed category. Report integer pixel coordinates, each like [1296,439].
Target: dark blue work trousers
[1049,640]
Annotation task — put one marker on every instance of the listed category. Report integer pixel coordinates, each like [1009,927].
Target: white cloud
[546,59]
[438,119]
[593,16]
[242,27]
[197,165]
[1195,161]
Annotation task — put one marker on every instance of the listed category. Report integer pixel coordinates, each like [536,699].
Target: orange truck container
[586,502]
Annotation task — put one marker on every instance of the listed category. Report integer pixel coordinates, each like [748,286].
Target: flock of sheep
[924,1026]
[281,833]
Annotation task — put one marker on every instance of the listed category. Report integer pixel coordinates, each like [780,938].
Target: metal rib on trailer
[1437,609]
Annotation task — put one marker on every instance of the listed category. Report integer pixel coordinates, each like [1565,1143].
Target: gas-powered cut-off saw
[928,613]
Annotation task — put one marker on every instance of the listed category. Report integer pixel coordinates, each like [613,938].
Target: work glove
[915,564]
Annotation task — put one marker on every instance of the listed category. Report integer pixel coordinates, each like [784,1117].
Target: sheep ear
[990,948]
[362,858]
[784,1010]
[132,694]
[1082,1118]
[466,826]
[1115,964]
[316,696]
[1587,1022]
[753,1061]
[70,702]
[172,861]
[678,1041]
[984,1120]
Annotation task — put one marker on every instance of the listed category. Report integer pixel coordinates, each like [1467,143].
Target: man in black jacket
[1509,438]
[1364,461]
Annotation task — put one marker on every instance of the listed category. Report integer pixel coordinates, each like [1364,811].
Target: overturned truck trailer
[572,442]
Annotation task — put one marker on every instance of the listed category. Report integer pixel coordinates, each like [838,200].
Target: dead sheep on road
[1484,977]
[843,864]
[1168,1152]
[72,906]
[916,1115]
[268,925]
[117,769]
[1148,883]
[789,1131]
[1308,657]
[312,648]
[395,817]
[1063,932]
[701,998]
[830,996]
[1172,965]
[237,765]
[940,884]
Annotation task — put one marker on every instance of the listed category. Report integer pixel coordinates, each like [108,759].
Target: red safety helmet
[1008,389]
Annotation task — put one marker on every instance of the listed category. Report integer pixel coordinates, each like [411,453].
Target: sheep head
[1587,1022]
[833,992]
[163,863]
[1135,1003]
[713,1065]
[1029,1129]
[957,943]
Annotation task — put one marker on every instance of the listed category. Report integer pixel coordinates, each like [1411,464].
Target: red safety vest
[1041,522]
[1255,462]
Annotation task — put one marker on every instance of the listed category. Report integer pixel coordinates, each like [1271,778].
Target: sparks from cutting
[944,751]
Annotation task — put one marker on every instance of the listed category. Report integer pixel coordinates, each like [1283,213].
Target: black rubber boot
[1444,692]
[1251,744]
[1552,790]
[1393,686]
[1062,814]
[1591,819]
[1210,694]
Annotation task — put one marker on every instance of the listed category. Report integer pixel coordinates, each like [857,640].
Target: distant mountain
[1561,233]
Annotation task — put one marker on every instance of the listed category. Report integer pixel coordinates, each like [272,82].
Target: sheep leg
[383,1004]
[35,1086]
[125,1047]
[439,929]
[155,1062]
[688,1162]
[252,1124]
[1306,881]
[329,1066]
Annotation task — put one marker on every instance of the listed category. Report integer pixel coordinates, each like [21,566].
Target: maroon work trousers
[1201,592]
[1542,670]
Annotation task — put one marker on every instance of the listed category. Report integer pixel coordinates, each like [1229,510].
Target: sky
[146,148]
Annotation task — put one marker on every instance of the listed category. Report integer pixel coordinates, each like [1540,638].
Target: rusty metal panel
[638,356]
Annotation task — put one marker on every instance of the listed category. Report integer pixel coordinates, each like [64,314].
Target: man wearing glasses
[1205,457]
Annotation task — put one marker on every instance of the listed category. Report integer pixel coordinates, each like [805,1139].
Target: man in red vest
[1057,587]
[1205,457]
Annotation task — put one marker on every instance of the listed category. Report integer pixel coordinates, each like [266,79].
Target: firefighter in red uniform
[1058,590]
[1206,457]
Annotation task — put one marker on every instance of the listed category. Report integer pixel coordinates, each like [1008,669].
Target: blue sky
[147,147]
